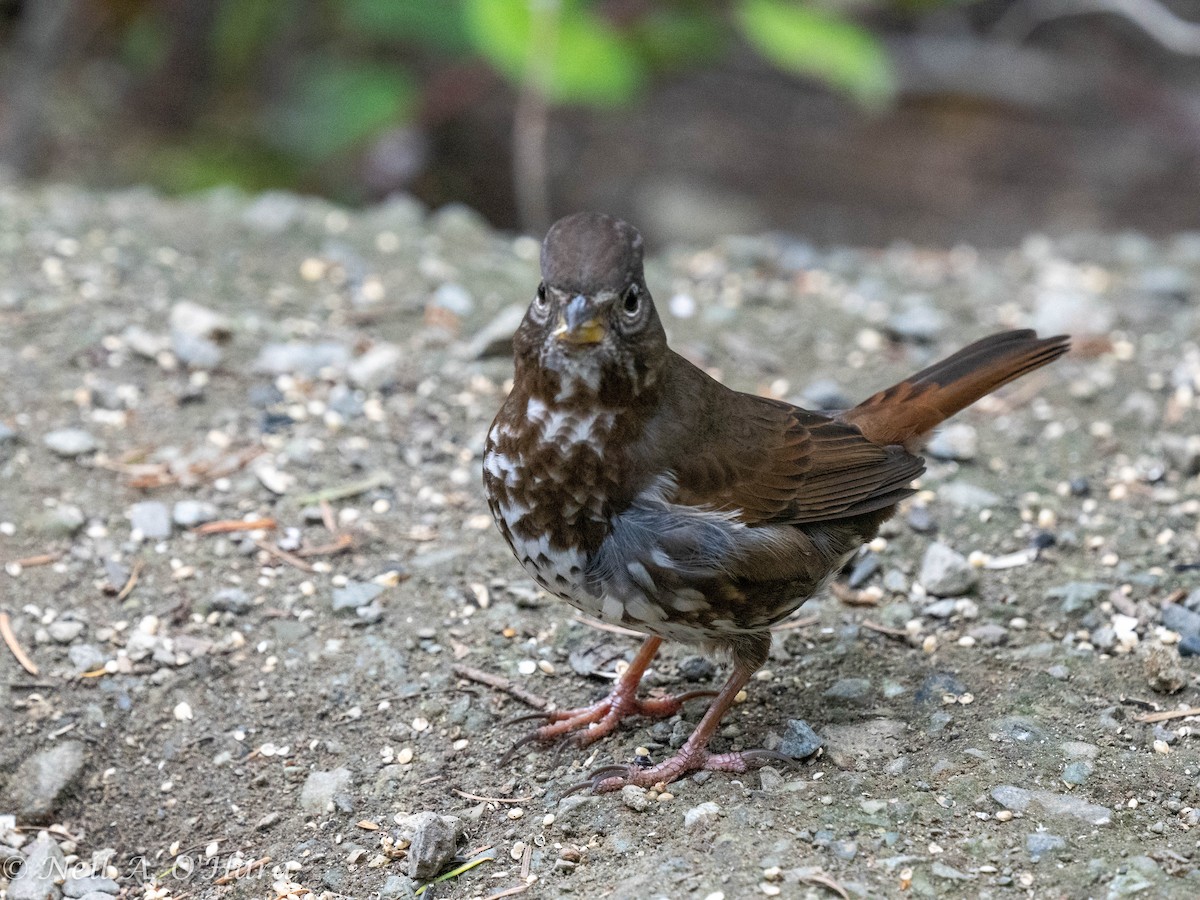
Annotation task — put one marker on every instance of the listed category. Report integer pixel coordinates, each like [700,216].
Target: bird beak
[580,322]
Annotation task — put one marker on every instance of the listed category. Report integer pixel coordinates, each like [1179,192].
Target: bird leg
[693,756]
[592,722]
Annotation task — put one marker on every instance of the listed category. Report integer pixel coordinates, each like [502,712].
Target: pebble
[190,513]
[956,441]
[7,435]
[85,657]
[696,668]
[151,518]
[919,324]
[1059,672]
[966,496]
[78,888]
[800,741]
[938,685]
[824,394]
[377,368]
[70,442]
[945,572]
[1078,596]
[44,865]
[1181,619]
[355,594]
[848,690]
[867,565]
[701,816]
[1164,672]
[43,778]
[1042,842]
[635,797]
[989,634]
[1017,730]
[64,520]
[230,599]
[1020,799]
[199,321]
[320,789]
[1077,772]
[433,842]
[1190,645]
[301,359]
[65,631]
[195,352]
[394,887]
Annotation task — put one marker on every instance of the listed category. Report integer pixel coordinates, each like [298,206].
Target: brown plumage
[642,491]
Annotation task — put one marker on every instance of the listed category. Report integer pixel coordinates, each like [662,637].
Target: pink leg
[592,722]
[693,756]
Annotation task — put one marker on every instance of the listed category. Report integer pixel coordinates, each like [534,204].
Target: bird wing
[774,463]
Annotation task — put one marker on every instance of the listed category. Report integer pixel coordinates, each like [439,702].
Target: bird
[645,493]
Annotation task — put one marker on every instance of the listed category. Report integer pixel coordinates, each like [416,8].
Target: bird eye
[632,300]
[541,294]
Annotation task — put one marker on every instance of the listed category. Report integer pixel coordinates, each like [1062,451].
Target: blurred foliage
[295,86]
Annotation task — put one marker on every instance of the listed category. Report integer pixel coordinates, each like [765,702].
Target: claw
[530,738]
[594,780]
[545,716]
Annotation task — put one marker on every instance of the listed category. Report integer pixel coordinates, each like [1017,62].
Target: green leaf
[241,29]
[559,47]
[335,104]
[810,41]
[435,23]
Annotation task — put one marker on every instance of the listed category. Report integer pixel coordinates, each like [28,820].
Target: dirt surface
[285,692]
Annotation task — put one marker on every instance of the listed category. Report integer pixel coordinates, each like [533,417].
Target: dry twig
[898,633]
[14,647]
[471,796]
[1168,714]
[42,559]
[243,871]
[226,526]
[132,581]
[279,553]
[500,683]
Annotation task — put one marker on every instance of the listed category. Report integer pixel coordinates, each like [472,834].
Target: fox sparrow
[644,493]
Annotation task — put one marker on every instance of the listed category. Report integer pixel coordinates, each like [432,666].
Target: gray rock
[43,778]
[195,352]
[190,513]
[1190,645]
[85,657]
[1164,672]
[1077,772]
[635,797]
[151,518]
[989,634]
[230,599]
[576,813]
[394,886]
[70,442]
[64,520]
[7,435]
[849,690]
[945,572]
[1042,842]
[1059,672]
[1104,637]
[1181,619]
[199,321]
[65,631]
[1067,805]
[824,393]
[93,884]
[704,815]
[301,359]
[495,338]
[454,298]
[317,795]
[1017,730]
[354,595]
[433,842]
[144,343]
[937,685]
[895,581]
[941,609]
[799,741]
[845,850]
[1183,452]
[693,668]
[97,895]
[866,566]
[966,496]
[1077,596]
[949,873]
[376,368]
[44,867]
[956,441]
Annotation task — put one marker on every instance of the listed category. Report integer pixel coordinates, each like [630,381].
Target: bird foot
[686,761]
[587,724]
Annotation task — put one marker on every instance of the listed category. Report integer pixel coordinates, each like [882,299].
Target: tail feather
[906,412]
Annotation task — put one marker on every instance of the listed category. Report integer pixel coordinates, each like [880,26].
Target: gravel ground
[249,560]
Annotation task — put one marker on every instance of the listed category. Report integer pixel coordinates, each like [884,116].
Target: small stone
[41,780]
[152,519]
[320,788]
[64,520]
[825,394]
[190,513]
[704,815]
[1020,799]
[301,359]
[65,631]
[945,572]
[867,565]
[800,741]
[1077,772]
[1017,730]
[845,850]
[895,581]
[937,686]
[1059,672]
[453,298]
[230,599]
[965,496]
[848,690]
[956,441]
[1190,645]
[1042,842]
[199,321]
[696,668]
[635,797]
[44,865]
[70,442]
[85,657]
[920,520]
[1181,619]
[78,888]
[919,324]
[989,634]
[770,780]
[433,842]
[377,368]
[196,352]
[1164,672]
[1078,596]
[355,594]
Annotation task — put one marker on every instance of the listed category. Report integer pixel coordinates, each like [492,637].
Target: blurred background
[859,121]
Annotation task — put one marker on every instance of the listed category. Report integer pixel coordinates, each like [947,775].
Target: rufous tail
[906,412]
